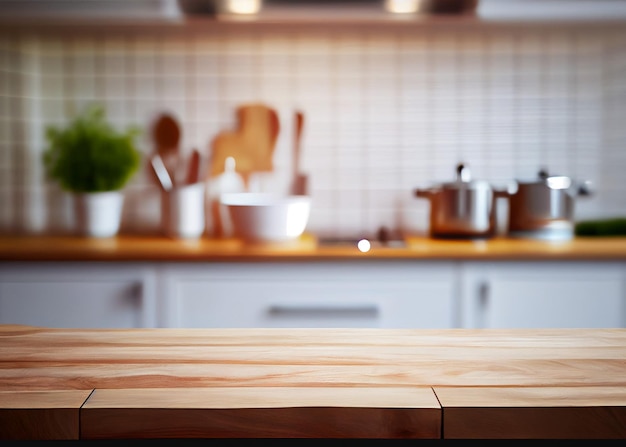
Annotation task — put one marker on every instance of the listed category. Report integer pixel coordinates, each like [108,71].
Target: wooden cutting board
[251,144]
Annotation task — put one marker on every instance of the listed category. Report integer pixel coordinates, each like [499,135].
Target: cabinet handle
[136,294]
[358,311]
[483,303]
[483,294]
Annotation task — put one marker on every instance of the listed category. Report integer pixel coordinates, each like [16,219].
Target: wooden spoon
[166,134]
[299,180]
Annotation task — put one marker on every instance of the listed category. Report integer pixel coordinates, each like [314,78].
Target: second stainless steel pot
[544,208]
[464,208]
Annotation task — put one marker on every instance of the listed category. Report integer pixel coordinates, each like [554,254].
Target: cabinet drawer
[72,295]
[292,296]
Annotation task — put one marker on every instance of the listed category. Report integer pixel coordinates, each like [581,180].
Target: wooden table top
[53,358]
[193,381]
[154,248]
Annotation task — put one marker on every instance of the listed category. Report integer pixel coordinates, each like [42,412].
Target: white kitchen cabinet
[80,295]
[327,294]
[377,293]
[543,295]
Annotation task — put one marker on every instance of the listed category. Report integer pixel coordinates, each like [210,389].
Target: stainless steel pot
[464,208]
[544,208]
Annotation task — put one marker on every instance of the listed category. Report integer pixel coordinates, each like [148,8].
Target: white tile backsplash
[386,111]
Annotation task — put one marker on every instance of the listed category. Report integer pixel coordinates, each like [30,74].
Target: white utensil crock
[183,211]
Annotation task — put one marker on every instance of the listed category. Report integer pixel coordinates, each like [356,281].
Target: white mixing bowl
[264,217]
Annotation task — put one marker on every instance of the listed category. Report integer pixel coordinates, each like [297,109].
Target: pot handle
[462,173]
[502,193]
[505,192]
[423,193]
[585,188]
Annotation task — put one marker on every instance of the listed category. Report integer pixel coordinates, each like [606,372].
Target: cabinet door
[77,295]
[329,294]
[544,295]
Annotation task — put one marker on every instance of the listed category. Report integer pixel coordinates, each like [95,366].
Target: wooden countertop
[372,383]
[154,248]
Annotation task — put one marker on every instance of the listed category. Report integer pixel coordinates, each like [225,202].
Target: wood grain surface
[262,412]
[158,248]
[46,358]
[476,374]
[40,415]
[538,412]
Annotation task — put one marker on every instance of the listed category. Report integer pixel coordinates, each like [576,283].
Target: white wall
[387,110]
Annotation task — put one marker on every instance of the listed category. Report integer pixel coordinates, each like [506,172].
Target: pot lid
[464,180]
[551,181]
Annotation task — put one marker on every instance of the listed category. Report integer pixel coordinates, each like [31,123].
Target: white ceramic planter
[98,214]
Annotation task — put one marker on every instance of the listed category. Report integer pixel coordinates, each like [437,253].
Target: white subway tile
[146,65]
[52,87]
[384,112]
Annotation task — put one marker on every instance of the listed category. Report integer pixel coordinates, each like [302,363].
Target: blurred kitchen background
[390,105]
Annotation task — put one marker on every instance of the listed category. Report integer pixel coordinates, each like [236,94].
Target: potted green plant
[93,161]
